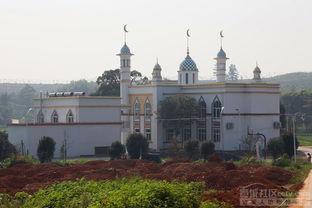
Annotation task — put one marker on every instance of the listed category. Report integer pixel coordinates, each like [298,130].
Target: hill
[296,81]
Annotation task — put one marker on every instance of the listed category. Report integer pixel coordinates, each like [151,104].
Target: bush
[276,147]
[207,149]
[137,145]
[288,140]
[116,150]
[192,149]
[6,148]
[46,148]
[282,161]
[132,193]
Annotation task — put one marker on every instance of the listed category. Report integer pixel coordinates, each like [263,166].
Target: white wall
[81,139]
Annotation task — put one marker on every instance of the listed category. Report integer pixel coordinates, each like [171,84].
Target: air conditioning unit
[276,125]
[229,125]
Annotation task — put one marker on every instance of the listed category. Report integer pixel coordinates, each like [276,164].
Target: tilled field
[226,178]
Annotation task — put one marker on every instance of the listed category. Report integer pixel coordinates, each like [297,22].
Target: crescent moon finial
[188,33]
[125,28]
[221,34]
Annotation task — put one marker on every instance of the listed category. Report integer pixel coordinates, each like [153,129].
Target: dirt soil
[226,178]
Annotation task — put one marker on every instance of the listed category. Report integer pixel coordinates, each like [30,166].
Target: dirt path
[304,199]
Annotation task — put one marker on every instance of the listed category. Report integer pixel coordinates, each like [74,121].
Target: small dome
[257,70]
[125,50]
[188,64]
[157,67]
[221,54]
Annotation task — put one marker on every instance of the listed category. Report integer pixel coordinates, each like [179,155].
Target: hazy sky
[73,39]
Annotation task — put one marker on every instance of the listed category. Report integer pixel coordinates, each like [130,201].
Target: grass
[305,139]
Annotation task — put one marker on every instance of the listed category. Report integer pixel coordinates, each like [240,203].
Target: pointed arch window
[70,117]
[193,78]
[137,110]
[54,117]
[148,110]
[216,108]
[40,117]
[202,108]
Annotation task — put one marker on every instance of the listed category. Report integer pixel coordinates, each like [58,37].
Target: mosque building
[230,111]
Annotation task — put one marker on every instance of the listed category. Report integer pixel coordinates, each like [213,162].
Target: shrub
[132,193]
[276,147]
[6,148]
[46,148]
[192,149]
[288,140]
[207,149]
[137,145]
[282,161]
[116,150]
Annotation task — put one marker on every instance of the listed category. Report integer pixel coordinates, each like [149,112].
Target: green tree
[276,147]
[288,140]
[175,112]
[6,148]
[137,146]
[116,150]
[207,149]
[192,149]
[109,82]
[46,148]
[233,73]
[6,109]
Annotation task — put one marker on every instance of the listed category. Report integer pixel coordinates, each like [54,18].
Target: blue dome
[221,54]
[125,50]
[188,64]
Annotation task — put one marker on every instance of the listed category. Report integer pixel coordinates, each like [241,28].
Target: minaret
[125,69]
[221,63]
[257,73]
[156,72]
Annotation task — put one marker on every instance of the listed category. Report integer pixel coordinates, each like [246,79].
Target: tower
[156,73]
[125,70]
[188,73]
[221,62]
[221,65]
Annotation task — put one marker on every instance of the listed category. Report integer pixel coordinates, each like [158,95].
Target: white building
[230,111]
[88,124]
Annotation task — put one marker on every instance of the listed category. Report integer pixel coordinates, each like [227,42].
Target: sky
[62,40]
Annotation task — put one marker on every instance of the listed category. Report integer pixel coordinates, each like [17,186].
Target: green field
[305,139]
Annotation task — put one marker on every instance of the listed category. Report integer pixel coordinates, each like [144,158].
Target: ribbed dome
[125,50]
[221,54]
[188,64]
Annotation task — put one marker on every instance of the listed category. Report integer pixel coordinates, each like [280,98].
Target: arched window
[193,78]
[54,117]
[180,78]
[40,117]
[202,108]
[70,117]
[137,110]
[216,108]
[186,78]
[148,110]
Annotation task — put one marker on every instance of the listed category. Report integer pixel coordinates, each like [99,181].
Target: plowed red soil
[224,177]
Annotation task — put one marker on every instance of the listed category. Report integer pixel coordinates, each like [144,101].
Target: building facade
[231,112]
